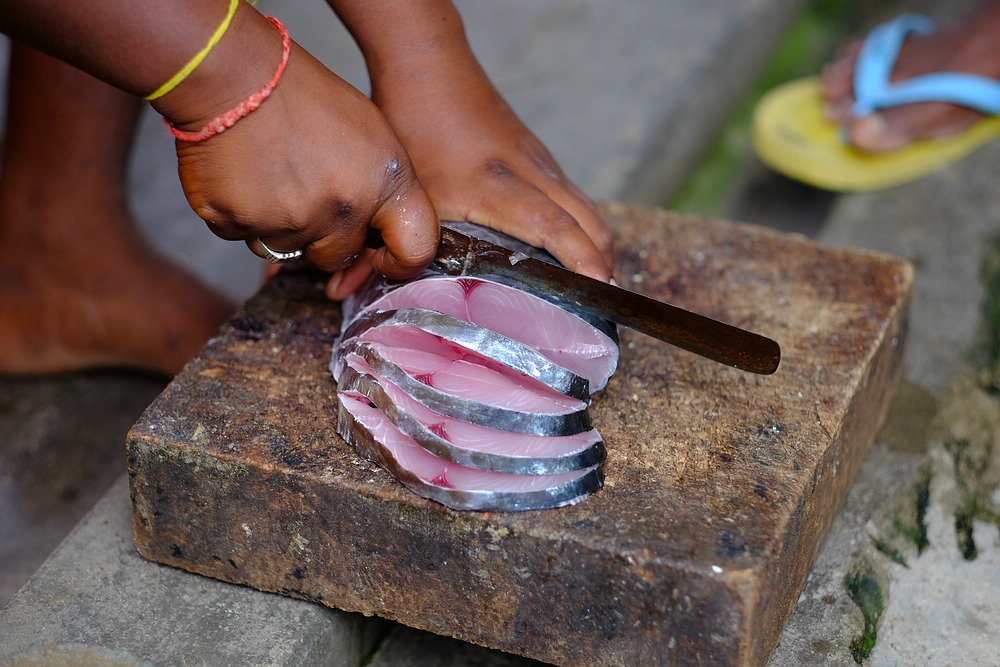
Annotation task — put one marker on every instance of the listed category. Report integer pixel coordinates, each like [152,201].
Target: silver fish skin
[590,353]
[498,347]
[376,286]
[552,295]
[474,412]
[433,441]
[353,380]
[585,483]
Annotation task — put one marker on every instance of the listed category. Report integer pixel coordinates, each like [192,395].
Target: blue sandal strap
[874,90]
[969,90]
[878,57]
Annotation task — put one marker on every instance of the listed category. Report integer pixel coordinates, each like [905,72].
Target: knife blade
[460,254]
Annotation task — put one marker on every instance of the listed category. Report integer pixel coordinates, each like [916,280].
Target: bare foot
[967,47]
[79,288]
[93,302]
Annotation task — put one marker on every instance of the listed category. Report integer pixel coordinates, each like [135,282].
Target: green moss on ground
[916,532]
[866,592]
[990,346]
[886,548]
[971,462]
[810,43]
[903,530]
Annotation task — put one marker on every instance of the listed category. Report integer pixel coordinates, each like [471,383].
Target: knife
[460,254]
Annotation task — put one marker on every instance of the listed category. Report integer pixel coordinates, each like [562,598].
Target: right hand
[312,168]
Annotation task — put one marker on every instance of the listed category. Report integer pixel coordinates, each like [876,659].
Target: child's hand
[478,162]
[312,168]
[473,156]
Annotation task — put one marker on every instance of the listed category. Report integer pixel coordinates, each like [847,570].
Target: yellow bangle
[198,57]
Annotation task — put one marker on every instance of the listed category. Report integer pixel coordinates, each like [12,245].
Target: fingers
[577,238]
[340,284]
[406,220]
[478,162]
[408,225]
[584,212]
[538,206]
[410,230]
[343,283]
[403,213]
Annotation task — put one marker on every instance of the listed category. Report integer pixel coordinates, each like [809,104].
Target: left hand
[472,155]
[477,161]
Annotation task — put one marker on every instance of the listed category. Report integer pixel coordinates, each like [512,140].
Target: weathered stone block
[720,485]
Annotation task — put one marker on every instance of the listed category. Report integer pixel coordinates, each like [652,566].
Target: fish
[503,309]
[474,391]
[458,487]
[459,387]
[379,325]
[469,444]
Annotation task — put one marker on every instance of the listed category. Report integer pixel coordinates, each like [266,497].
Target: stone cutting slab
[720,485]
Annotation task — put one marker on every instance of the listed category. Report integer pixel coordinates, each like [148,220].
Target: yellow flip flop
[791,134]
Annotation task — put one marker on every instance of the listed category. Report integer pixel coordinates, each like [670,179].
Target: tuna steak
[456,486]
[460,387]
[474,392]
[469,444]
[563,338]
[378,326]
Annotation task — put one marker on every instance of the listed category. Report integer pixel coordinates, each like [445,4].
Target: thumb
[410,230]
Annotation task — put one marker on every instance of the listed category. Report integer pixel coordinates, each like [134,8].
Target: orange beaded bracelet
[225,121]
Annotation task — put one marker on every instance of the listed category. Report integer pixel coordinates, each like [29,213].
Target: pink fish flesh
[380,325]
[466,390]
[558,335]
[453,485]
[474,391]
[469,444]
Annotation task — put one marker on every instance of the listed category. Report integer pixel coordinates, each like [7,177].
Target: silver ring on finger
[260,249]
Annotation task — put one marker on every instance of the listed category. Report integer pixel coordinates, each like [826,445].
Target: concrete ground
[613,93]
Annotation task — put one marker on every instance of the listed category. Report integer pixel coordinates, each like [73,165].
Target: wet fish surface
[474,391]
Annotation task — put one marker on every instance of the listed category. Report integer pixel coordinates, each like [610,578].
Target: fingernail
[333,284]
[613,282]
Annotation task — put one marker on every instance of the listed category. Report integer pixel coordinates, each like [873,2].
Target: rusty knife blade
[460,254]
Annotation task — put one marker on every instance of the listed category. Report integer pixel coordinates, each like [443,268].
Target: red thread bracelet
[223,122]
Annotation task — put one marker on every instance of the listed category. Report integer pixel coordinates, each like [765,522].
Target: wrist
[241,63]
[405,39]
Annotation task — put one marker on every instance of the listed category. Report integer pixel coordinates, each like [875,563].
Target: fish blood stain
[442,481]
[468,286]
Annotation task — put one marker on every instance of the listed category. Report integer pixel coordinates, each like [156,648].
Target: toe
[873,134]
